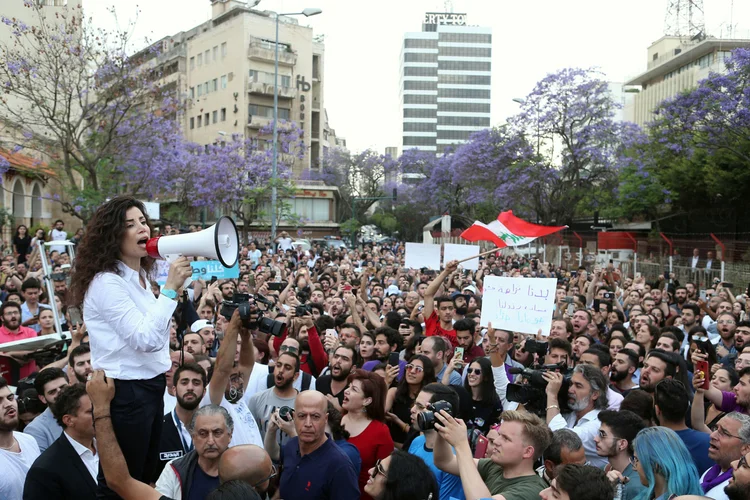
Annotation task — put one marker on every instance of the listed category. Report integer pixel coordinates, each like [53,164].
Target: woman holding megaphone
[128,328]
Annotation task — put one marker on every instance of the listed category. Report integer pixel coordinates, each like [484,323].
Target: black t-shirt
[483,415]
[203,484]
[323,385]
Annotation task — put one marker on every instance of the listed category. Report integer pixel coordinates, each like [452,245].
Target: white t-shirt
[245,428]
[15,466]
[55,235]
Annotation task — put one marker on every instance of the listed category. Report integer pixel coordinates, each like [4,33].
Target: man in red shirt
[10,332]
[440,322]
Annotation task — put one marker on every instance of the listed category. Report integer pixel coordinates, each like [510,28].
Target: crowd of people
[344,375]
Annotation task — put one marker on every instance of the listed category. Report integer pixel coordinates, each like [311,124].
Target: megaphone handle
[173,257]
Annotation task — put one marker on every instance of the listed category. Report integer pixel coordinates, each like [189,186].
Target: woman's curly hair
[99,251]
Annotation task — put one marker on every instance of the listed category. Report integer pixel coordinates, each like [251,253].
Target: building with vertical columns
[445,89]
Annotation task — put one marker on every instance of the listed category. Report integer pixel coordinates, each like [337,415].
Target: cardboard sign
[519,304]
[419,255]
[458,252]
[202,270]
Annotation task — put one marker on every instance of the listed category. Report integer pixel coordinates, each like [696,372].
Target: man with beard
[80,362]
[725,349]
[621,374]
[264,403]
[615,442]
[17,451]
[657,366]
[587,396]
[193,343]
[581,319]
[742,335]
[207,331]
[581,344]
[336,308]
[680,297]
[11,331]
[229,380]
[739,485]
[176,441]
[227,290]
[177,358]
[333,384]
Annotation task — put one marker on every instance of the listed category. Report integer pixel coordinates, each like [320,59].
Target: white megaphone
[219,242]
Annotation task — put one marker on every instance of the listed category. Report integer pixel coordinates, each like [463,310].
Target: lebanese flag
[508,231]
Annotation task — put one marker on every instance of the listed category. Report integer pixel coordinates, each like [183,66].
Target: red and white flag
[508,231]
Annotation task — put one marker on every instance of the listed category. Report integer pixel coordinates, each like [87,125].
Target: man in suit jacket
[69,467]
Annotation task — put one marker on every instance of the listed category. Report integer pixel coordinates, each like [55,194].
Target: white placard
[459,252]
[519,304]
[419,255]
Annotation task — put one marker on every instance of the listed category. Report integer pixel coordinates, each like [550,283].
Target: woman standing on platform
[128,327]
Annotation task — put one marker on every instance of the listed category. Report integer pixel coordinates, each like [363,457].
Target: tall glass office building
[445,82]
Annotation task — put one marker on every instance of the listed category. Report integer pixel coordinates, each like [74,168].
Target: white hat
[392,290]
[471,288]
[200,325]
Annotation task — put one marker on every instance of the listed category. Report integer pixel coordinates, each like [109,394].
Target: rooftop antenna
[685,19]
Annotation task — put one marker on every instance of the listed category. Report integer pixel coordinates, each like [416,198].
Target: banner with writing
[519,304]
[202,270]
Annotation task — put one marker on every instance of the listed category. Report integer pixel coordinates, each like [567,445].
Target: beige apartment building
[224,68]
[675,64]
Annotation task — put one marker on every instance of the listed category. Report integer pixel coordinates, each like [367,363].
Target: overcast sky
[531,38]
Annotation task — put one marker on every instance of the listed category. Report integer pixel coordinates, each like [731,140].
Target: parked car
[333,244]
[305,244]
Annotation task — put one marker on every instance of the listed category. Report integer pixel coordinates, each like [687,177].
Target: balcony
[258,121]
[263,88]
[262,51]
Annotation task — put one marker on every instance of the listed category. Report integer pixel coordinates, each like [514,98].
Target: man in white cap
[206,329]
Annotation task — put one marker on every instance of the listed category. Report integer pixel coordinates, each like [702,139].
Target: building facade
[673,65]
[445,89]
[224,71]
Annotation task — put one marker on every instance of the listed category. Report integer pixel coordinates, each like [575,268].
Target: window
[206,87]
[267,111]
[285,80]
[206,119]
[223,50]
[215,116]
[192,63]
[419,71]
[215,85]
[419,43]
[419,57]
[200,89]
[223,81]
[192,123]
[192,92]
[200,120]
[207,56]
[223,114]
[200,60]
[216,52]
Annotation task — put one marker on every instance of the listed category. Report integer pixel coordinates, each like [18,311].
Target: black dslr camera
[426,418]
[532,393]
[286,413]
[252,316]
[535,347]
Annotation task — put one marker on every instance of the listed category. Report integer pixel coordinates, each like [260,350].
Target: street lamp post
[274,165]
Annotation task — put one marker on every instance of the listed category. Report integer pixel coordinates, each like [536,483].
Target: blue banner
[205,270]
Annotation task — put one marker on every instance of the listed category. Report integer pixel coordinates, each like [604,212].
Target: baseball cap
[200,325]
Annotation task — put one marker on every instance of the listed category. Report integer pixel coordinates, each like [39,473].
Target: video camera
[252,316]
[532,394]
[535,347]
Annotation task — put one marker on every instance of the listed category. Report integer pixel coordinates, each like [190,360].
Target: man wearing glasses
[729,442]
[615,442]
[739,485]
[313,466]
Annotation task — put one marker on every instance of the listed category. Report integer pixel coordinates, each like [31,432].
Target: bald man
[314,467]
[248,463]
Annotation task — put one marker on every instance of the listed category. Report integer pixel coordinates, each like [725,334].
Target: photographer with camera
[509,472]
[300,325]
[229,380]
[587,396]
